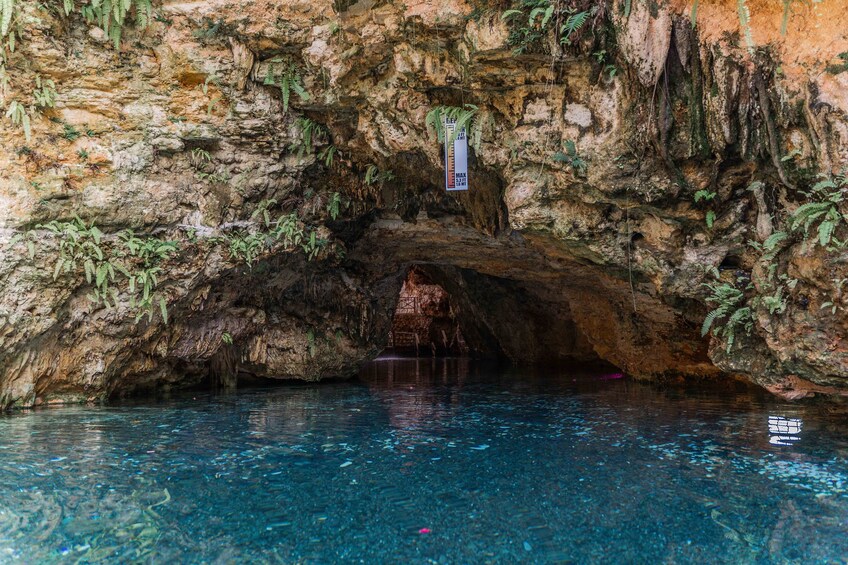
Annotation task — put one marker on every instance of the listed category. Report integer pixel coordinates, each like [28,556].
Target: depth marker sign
[456,158]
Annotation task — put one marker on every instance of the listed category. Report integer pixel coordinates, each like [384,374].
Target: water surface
[429,462]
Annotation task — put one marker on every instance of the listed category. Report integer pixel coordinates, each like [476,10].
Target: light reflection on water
[429,461]
[785,431]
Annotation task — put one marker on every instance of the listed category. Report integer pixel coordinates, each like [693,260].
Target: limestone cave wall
[269,164]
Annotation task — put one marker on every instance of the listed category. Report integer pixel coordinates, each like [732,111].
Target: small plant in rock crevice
[735,305]
[287,231]
[532,20]
[705,195]
[462,118]
[837,302]
[143,277]
[285,75]
[309,133]
[83,250]
[334,205]
[327,155]
[731,315]
[822,213]
[204,170]
[373,176]
[80,245]
[570,157]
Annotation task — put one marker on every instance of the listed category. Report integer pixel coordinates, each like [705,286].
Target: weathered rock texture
[543,261]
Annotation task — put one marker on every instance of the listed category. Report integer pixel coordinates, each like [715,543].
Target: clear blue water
[424,462]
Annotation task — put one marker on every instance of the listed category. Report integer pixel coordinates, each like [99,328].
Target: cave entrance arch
[424,320]
[443,310]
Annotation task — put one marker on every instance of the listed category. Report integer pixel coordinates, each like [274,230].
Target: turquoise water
[428,462]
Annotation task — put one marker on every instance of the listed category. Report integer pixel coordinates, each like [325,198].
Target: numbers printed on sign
[456,158]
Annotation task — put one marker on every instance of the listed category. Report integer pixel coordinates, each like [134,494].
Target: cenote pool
[429,462]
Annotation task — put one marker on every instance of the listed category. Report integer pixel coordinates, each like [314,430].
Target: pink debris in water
[424,531]
[611,377]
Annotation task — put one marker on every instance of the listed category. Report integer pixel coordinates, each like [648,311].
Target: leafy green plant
[201,160]
[17,113]
[774,293]
[840,67]
[149,250]
[571,158]
[731,316]
[574,23]
[313,245]
[373,175]
[287,230]
[705,195]
[29,238]
[610,69]
[263,209]
[823,212]
[245,246]
[82,154]
[569,19]
[227,338]
[205,89]
[7,11]
[327,155]
[523,36]
[80,245]
[112,15]
[837,300]
[460,117]
[284,74]
[200,157]
[143,279]
[69,132]
[334,206]
[309,132]
[44,94]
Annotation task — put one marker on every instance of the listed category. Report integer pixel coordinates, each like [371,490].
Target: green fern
[309,133]
[334,206]
[263,209]
[17,113]
[574,23]
[284,74]
[44,93]
[823,212]
[705,195]
[327,155]
[460,117]
[571,158]
[373,175]
[112,15]
[730,307]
